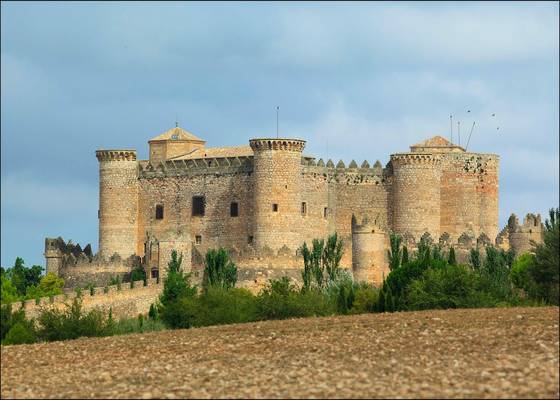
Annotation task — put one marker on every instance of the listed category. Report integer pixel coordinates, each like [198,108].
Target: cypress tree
[452,259]
[404,256]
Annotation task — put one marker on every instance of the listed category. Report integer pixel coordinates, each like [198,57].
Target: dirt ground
[484,353]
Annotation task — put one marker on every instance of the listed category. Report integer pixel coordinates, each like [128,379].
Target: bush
[280,300]
[218,306]
[521,277]
[366,297]
[72,323]
[8,319]
[442,288]
[20,333]
[132,325]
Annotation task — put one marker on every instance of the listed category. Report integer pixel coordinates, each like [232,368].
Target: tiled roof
[180,133]
[436,141]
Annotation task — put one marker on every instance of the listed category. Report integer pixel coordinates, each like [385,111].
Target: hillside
[457,353]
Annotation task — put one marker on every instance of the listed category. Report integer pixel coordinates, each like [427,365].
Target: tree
[219,270]
[452,260]
[545,269]
[8,292]
[395,251]
[474,259]
[332,254]
[50,285]
[177,284]
[321,263]
[404,256]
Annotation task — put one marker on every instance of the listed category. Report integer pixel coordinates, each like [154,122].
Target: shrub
[19,334]
[280,300]
[132,325]
[452,260]
[152,313]
[138,274]
[179,313]
[366,297]
[218,306]
[450,287]
[72,323]
[521,277]
[219,271]
[8,319]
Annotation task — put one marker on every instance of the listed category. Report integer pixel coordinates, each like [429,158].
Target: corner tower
[277,192]
[118,202]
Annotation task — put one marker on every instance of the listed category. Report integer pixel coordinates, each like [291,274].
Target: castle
[262,201]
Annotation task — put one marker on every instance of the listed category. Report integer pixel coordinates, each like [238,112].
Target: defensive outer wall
[262,201]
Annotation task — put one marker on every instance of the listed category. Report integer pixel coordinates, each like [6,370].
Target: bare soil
[483,353]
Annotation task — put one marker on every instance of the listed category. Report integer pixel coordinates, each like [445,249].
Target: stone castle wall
[124,301]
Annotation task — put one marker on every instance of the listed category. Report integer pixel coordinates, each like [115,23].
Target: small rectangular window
[233,209]
[198,239]
[304,208]
[198,205]
[274,207]
[250,240]
[159,211]
[325,212]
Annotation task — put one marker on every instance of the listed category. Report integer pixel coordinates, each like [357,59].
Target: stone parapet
[116,155]
[296,145]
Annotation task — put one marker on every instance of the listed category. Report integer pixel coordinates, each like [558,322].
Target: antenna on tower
[459,131]
[451,124]
[469,140]
[277,111]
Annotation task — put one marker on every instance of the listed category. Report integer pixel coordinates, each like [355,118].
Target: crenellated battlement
[195,166]
[115,155]
[415,158]
[296,145]
[125,300]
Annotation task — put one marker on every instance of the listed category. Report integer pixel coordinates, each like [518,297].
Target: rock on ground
[482,353]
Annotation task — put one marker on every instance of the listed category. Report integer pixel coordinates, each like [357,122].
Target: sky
[356,80]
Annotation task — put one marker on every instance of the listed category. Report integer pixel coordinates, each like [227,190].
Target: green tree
[474,259]
[177,283]
[404,256]
[452,260]
[395,252]
[521,277]
[50,285]
[219,270]
[332,254]
[8,292]
[546,266]
[313,267]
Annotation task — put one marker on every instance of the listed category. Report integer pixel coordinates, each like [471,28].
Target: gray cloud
[368,78]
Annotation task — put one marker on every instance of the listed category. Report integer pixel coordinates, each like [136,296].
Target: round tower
[369,252]
[416,194]
[118,202]
[277,192]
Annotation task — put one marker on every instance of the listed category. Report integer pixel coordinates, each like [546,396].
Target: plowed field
[457,353]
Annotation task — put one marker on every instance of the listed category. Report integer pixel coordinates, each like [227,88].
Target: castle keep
[263,200]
